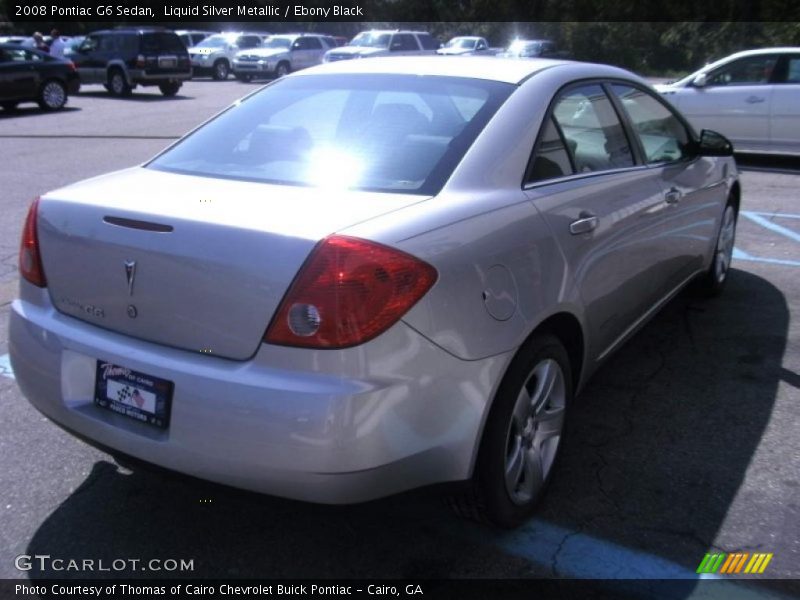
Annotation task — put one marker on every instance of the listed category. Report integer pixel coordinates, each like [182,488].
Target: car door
[88,60]
[735,101]
[603,208]
[693,187]
[313,51]
[785,115]
[19,77]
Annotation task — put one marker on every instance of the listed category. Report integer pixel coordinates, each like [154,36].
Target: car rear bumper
[156,76]
[332,427]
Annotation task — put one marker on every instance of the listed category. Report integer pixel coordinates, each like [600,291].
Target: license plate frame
[138,396]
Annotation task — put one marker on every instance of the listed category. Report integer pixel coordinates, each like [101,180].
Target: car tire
[220,70]
[117,84]
[52,95]
[713,281]
[282,69]
[522,436]
[170,88]
[9,106]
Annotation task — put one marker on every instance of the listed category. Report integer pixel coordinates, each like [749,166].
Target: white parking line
[5,367]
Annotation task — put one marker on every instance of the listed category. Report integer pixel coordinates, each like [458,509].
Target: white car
[385,43]
[280,55]
[464,45]
[751,97]
[215,53]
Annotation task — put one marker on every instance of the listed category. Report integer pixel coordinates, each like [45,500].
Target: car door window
[108,43]
[248,41]
[592,130]
[310,43]
[403,42]
[663,136]
[793,70]
[551,158]
[752,70]
[428,42]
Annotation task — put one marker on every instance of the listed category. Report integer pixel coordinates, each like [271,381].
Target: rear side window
[309,43]
[388,133]
[429,43]
[404,42]
[551,158]
[592,130]
[161,42]
[664,138]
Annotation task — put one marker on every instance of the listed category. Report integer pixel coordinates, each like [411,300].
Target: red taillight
[348,291]
[140,61]
[71,66]
[30,261]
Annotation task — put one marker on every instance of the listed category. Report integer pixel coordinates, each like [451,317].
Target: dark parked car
[123,58]
[27,75]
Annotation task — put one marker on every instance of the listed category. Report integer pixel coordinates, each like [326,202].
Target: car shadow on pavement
[657,449]
[662,437]
[35,111]
[137,96]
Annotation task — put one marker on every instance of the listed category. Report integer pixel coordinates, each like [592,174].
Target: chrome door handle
[586,223]
[673,196]
[754,99]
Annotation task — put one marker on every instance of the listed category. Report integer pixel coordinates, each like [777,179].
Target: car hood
[263,52]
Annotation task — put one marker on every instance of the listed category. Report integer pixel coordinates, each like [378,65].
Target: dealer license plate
[136,395]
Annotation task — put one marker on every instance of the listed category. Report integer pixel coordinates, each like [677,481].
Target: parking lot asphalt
[685,442]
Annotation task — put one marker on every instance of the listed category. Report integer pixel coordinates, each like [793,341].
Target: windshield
[277,42]
[372,40]
[467,43]
[214,41]
[389,133]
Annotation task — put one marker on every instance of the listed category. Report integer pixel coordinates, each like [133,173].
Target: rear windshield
[391,133]
[162,42]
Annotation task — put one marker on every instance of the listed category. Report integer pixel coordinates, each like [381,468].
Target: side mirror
[714,144]
[700,81]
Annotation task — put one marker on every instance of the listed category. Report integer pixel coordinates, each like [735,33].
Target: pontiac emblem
[130,274]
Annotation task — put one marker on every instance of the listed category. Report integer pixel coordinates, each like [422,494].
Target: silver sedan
[372,276]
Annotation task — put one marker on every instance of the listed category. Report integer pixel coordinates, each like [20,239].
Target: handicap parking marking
[632,572]
[5,367]
[742,255]
[766,220]
[761,219]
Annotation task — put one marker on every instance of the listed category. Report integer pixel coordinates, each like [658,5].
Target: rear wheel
[53,95]
[220,70]
[170,88]
[117,84]
[522,436]
[713,281]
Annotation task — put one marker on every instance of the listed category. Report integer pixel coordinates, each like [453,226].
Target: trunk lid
[191,262]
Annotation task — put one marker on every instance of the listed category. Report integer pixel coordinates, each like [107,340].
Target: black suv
[123,58]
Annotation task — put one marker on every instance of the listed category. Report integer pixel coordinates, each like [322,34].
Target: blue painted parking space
[779,223]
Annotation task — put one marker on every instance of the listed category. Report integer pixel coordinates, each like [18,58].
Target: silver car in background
[371,276]
[280,55]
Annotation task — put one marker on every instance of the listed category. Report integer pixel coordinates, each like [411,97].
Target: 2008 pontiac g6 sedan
[372,276]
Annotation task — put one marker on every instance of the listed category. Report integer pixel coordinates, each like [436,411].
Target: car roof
[496,69]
